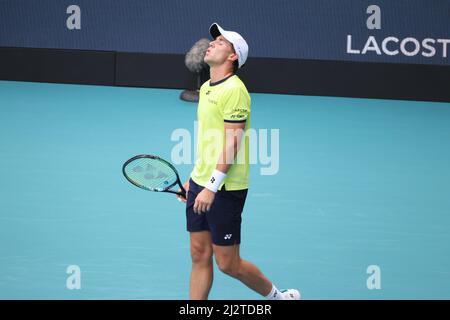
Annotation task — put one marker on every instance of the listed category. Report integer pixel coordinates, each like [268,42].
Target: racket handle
[183,192]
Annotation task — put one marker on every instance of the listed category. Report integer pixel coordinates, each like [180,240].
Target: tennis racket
[152,173]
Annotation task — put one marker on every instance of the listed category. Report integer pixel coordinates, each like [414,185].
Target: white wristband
[216,179]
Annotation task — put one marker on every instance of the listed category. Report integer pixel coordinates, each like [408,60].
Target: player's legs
[229,261]
[224,221]
[219,230]
[202,265]
[201,248]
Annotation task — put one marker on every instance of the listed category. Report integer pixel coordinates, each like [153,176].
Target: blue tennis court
[360,182]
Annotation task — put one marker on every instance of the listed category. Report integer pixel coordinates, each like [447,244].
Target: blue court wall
[412,31]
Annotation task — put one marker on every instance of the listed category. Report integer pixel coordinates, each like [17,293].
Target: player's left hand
[203,201]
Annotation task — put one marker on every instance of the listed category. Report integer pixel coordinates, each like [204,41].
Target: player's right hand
[186,187]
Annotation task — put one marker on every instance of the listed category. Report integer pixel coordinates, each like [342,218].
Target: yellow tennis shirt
[223,101]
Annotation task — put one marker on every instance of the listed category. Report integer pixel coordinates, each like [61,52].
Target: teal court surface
[360,183]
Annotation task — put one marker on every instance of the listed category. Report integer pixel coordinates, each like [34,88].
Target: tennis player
[218,185]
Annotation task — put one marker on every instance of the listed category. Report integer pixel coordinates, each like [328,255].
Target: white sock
[274,294]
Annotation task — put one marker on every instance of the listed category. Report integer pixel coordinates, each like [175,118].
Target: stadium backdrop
[357,48]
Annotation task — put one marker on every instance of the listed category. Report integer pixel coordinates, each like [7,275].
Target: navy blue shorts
[223,219]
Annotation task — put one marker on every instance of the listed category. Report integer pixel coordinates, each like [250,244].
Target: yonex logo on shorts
[228,236]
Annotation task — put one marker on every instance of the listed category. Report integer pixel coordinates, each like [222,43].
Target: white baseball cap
[239,44]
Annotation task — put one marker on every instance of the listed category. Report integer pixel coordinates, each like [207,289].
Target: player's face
[219,51]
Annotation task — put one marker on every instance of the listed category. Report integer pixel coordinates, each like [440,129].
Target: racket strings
[150,173]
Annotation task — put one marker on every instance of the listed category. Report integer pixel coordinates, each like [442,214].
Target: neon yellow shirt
[224,101]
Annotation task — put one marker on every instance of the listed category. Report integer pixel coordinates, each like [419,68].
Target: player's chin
[208,60]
